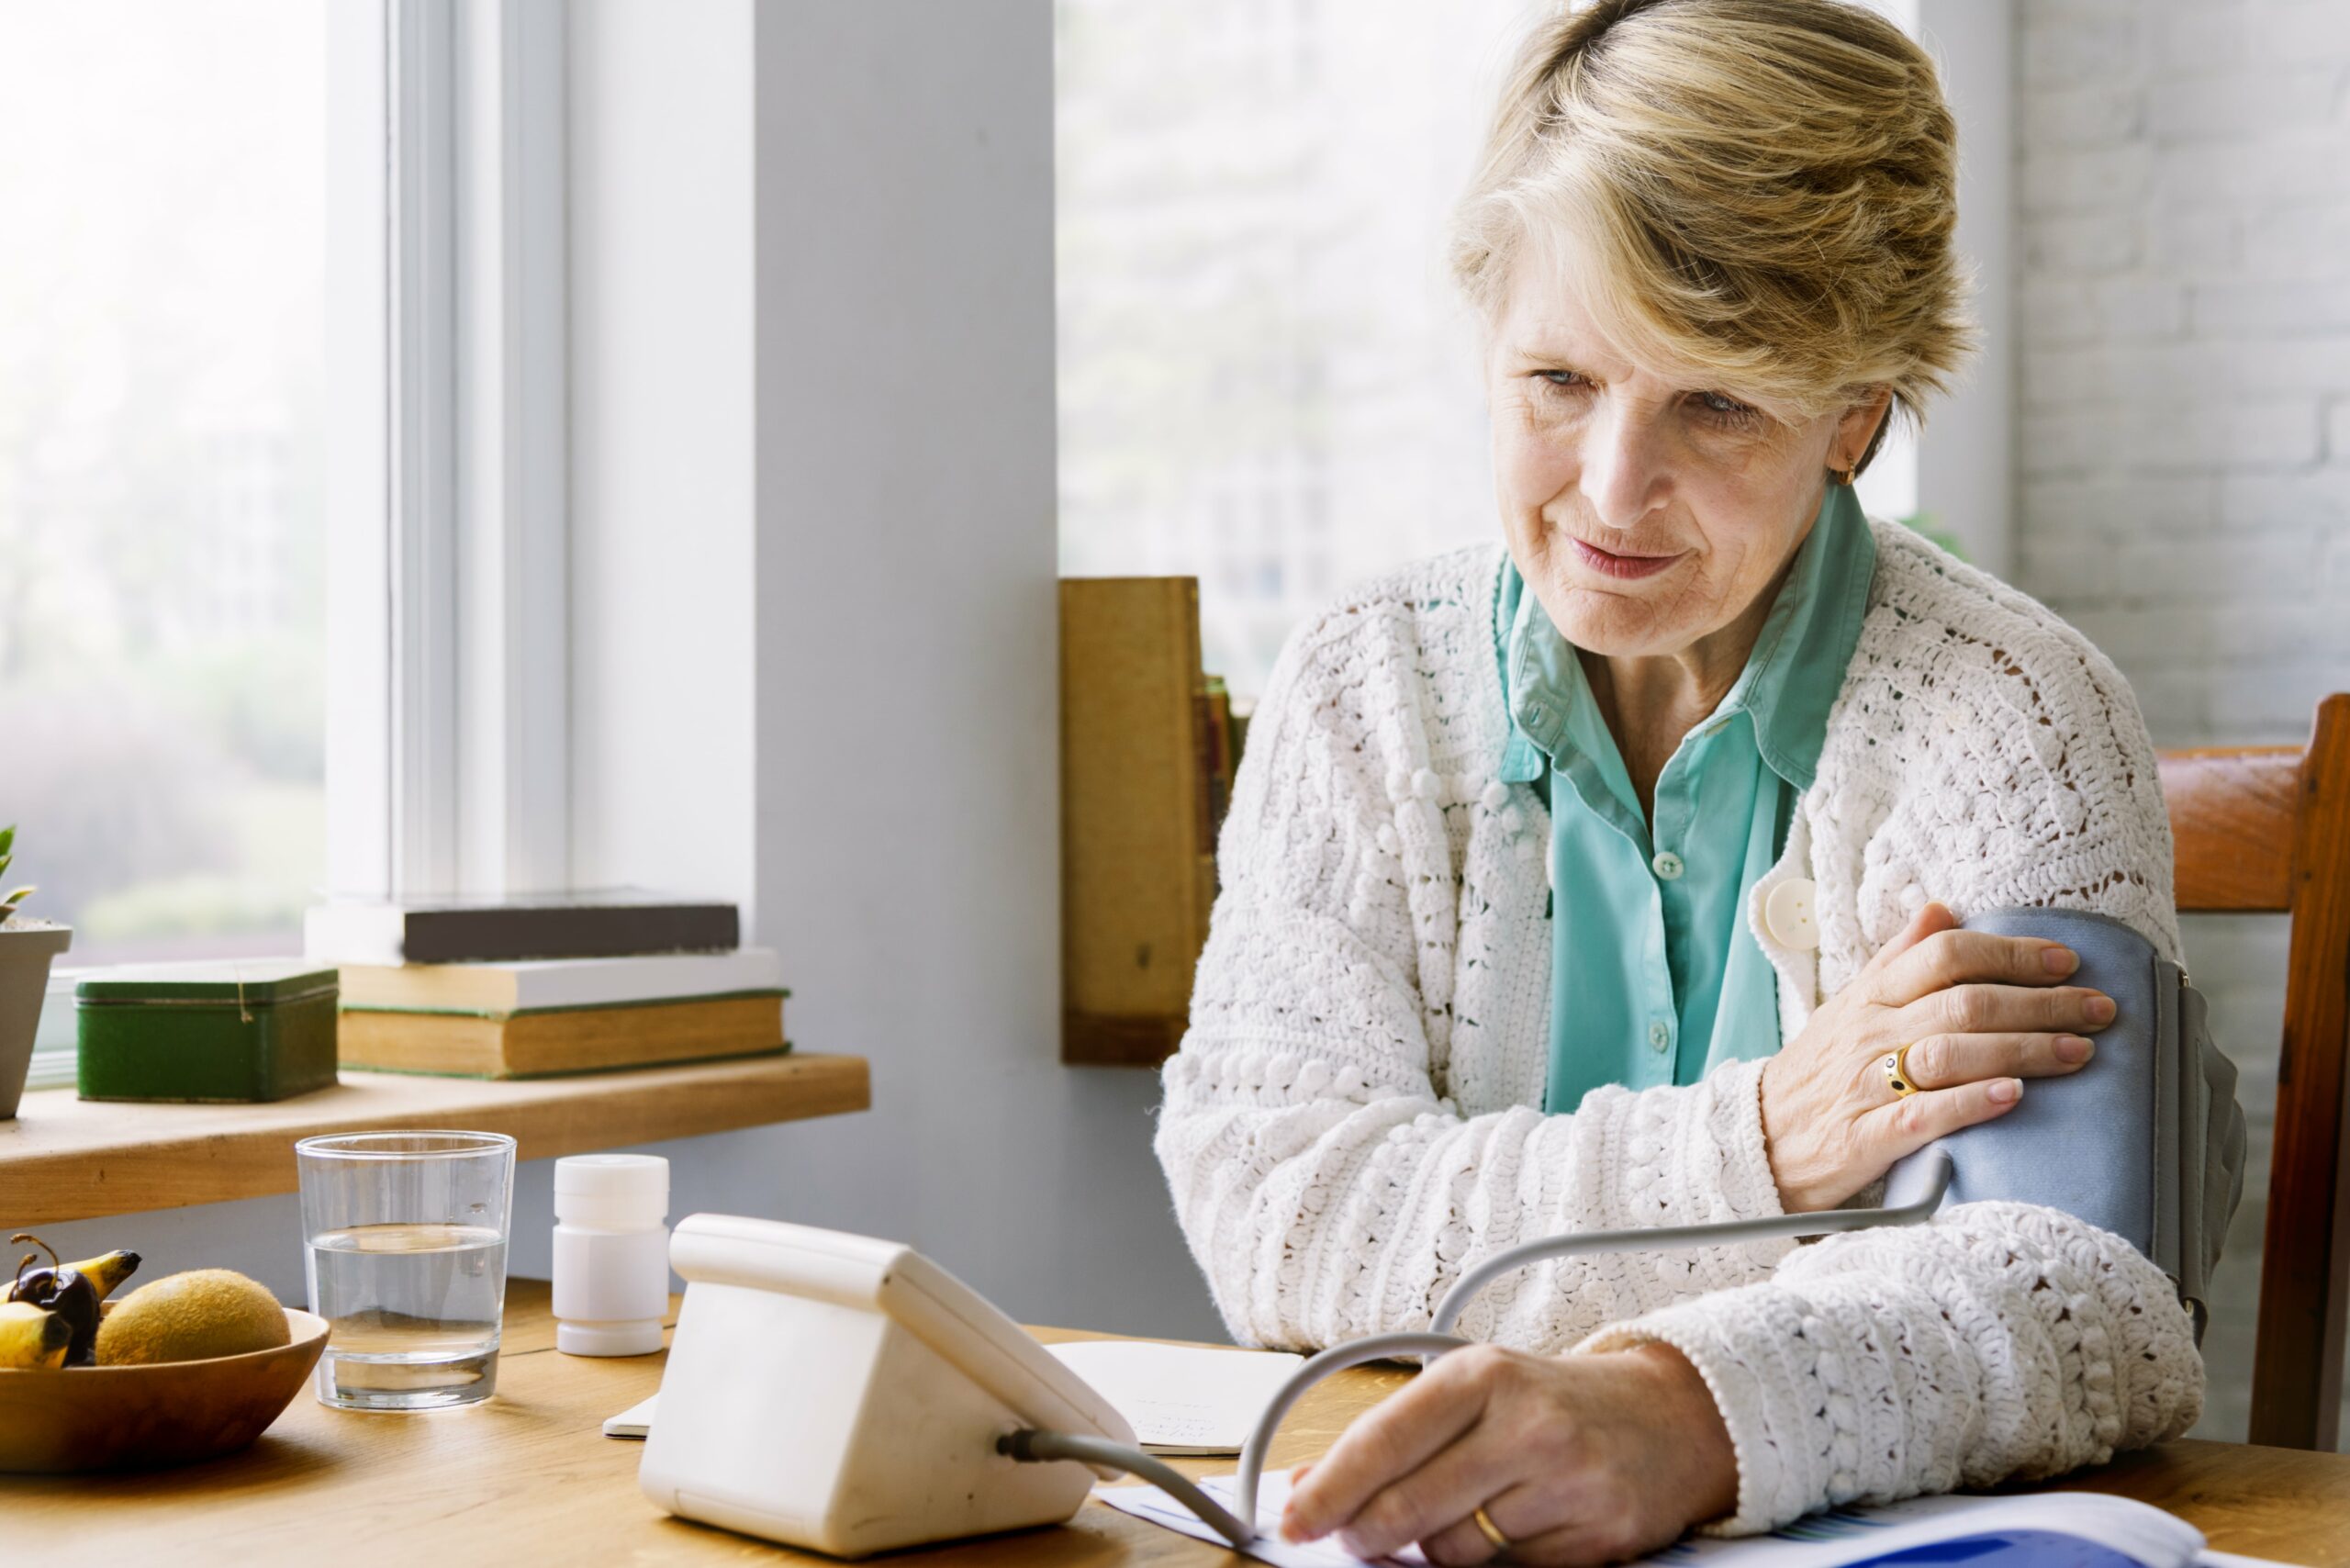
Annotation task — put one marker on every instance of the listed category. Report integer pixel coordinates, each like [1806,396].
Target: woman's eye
[1724,405]
[1563,377]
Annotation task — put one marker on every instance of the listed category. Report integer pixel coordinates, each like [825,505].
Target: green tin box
[226,1030]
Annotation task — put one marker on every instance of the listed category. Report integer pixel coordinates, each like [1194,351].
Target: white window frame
[447,736]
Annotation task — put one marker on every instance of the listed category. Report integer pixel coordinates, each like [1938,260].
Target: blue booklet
[2042,1530]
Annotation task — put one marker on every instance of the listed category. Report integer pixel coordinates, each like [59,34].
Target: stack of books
[539,988]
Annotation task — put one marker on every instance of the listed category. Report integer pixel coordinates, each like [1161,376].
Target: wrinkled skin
[1576,1458]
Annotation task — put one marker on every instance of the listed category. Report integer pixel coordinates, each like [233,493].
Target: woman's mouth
[1610,564]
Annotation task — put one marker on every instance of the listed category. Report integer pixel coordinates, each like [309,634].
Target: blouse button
[1667,865]
[1787,915]
[1660,1034]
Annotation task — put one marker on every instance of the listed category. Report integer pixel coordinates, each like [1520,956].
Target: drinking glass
[405,1254]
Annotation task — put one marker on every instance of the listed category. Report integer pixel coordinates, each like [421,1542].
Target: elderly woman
[1589,884]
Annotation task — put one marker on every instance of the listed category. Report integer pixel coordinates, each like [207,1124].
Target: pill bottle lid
[608,1189]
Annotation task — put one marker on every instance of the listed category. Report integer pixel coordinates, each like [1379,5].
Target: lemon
[192,1316]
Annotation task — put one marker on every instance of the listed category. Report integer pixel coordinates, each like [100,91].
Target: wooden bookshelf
[64,1159]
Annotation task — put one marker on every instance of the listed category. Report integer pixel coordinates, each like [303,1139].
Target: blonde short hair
[1765,190]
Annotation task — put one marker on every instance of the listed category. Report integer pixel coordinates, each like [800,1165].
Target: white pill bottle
[611,1253]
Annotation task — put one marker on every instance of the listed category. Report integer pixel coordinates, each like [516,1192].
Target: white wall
[908,845]
[813,295]
[2185,289]
[662,459]
[814,480]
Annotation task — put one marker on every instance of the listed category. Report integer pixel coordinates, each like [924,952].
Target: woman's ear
[1861,431]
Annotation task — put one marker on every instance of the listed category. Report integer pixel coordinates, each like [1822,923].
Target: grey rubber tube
[1032,1445]
[1918,1195]
[1663,1239]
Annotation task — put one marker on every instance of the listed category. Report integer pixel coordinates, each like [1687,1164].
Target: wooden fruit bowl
[143,1418]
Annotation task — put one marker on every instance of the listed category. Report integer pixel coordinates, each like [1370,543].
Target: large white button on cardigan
[1354,1116]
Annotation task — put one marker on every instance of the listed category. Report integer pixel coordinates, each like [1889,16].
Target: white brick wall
[2184,251]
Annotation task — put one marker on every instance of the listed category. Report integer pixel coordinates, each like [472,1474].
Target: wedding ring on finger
[1897,1072]
[1492,1531]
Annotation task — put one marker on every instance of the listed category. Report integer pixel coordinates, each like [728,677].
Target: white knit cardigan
[1355,1115]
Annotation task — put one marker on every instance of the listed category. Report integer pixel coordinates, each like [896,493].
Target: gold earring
[1843,475]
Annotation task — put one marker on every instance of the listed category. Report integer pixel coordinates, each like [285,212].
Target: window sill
[63,1158]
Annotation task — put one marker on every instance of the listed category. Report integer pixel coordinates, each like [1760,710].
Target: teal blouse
[1655,976]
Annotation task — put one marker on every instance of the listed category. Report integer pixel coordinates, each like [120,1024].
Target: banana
[64,1289]
[105,1271]
[32,1338]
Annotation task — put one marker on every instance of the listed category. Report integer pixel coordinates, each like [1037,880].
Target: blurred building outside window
[1266,379]
[162,540]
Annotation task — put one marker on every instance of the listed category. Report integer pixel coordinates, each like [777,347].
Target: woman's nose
[1622,470]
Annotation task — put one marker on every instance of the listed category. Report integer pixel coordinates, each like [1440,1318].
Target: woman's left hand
[1574,1459]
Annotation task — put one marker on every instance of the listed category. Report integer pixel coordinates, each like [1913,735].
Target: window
[282,447]
[163,541]
[1265,381]
[281,460]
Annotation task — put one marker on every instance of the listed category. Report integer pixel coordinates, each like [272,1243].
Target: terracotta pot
[26,948]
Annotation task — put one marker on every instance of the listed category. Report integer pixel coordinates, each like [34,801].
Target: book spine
[1220,732]
[500,1014]
[1204,793]
[494,936]
[1203,786]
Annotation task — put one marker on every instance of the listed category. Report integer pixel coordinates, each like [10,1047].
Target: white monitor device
[845,1394]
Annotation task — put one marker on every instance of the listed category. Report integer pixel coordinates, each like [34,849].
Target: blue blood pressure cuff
[2147,1140]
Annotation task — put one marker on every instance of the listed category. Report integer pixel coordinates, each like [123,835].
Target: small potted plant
[26,947]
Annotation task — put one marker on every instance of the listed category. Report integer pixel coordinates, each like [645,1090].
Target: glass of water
[405,1253]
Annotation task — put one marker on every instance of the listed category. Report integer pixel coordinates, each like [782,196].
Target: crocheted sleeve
[2002,764]
[1326,1184]
[2002,1340]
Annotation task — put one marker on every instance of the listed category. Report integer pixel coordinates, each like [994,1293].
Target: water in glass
[415,1313]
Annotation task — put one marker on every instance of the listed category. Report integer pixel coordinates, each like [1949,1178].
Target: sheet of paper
[636,1421]
[1178,1398]
[1820,1541]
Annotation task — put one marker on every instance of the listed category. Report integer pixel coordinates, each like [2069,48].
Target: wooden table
[65,1158]
[526,1478]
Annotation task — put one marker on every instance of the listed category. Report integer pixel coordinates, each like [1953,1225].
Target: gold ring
[1493,1531]
[1897,1072]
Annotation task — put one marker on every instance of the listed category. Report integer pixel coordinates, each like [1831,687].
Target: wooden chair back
[2267,828]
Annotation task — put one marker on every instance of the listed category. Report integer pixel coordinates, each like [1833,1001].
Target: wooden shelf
[63,1158]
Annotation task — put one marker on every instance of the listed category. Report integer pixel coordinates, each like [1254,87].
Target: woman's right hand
[1979,1012]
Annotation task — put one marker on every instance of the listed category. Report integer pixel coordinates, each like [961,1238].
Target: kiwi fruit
[190,1317]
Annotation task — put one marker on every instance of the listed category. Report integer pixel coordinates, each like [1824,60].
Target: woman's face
[1646,510]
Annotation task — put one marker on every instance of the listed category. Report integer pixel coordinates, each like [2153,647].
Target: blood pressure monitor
[845,1395]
